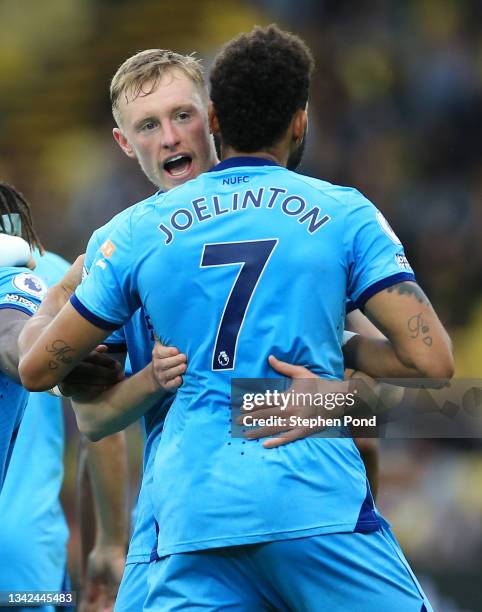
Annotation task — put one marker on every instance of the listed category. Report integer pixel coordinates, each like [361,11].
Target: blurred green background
[395,110]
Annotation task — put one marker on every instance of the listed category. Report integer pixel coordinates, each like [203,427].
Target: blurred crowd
[396,111]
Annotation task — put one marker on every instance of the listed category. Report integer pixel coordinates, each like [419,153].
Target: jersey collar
[234,162]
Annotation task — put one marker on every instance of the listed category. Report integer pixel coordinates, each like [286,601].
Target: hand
[73,276]
[105,567]
[93,375]
[168,366]
[300,384]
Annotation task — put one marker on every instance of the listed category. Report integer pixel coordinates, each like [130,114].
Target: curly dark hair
[13,203]
[258,82]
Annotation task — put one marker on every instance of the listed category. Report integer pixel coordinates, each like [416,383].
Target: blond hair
[149,66]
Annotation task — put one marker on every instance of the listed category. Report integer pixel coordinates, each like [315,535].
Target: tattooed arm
[370,352]
[404,314]
[51,346]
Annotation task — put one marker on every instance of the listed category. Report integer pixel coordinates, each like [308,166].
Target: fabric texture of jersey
[21,290]
[247,260]
[33,529]
[137,338]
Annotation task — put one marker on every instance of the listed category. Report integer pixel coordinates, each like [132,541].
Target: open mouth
[178,165]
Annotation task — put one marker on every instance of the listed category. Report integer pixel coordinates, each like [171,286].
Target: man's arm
[124,403]
[56,338]
[370,352]
[52,346]
[106,462]
[404,314]
[11,324]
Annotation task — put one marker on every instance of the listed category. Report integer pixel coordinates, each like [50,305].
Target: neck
[273,154]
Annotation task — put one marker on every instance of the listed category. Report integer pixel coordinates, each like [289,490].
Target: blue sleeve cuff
[17,307]
[389,281]
[350,306]
[116,347]
[91,317]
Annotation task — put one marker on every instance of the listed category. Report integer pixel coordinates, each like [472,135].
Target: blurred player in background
[33,530]
[197,504]
[21,292]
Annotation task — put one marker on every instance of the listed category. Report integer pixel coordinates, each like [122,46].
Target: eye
[148,126]
[183,116]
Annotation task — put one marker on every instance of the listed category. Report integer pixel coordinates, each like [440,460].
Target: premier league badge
[31,284]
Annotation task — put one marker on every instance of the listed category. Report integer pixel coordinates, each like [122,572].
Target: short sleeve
[105,296]
[117,342]
[376,258]
[20,289]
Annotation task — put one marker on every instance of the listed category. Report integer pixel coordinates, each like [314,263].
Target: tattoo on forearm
[408,288]
[418,327]
[60,354]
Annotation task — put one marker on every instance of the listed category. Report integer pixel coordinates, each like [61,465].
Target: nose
[170,137]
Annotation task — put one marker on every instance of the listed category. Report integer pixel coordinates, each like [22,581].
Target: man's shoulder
[101,234]
[107,228]
[340,193]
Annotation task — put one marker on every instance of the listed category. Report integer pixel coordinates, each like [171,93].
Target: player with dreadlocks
[20,294]
[31,426]
[16,219]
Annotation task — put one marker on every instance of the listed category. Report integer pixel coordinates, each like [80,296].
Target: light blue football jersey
[22,290]
[247,260]
[33,529]
[137,338]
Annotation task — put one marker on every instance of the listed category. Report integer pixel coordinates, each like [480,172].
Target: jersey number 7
[252,257]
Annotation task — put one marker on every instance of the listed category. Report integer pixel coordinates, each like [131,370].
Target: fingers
[73,276]
[79,261]
[287,437]
[101,359]
[174,383]
[161,352]
[168,365]
[263,413]
[86,373]
[264,432]
[289,369]
[172,378]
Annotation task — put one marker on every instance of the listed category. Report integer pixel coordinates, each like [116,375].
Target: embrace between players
[232,288]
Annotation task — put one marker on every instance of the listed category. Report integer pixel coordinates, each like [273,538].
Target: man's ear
[213,119]
[123,143]
[300,120]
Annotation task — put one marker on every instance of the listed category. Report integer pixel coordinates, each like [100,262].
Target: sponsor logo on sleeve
[28,283]
[402,262]
[20,300]
[107,249]
[386,227]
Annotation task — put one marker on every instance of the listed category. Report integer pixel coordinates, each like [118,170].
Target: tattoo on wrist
[418,327]
[60,354]
[408,288]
